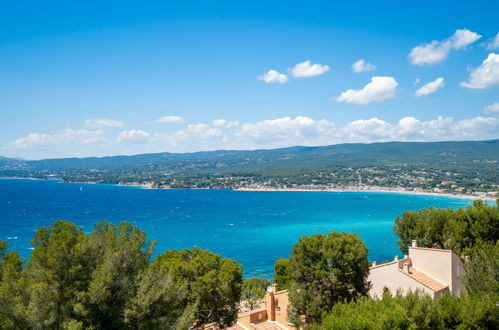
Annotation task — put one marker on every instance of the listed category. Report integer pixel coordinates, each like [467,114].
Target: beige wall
[281,299]
[389,276]
[435,263]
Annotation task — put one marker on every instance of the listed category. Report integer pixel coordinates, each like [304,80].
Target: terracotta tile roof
[235,327]
[265,325]
[426,280]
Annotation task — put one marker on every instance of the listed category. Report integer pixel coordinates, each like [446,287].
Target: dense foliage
[281,273]
[458,230]
[75,280]
[253,291]
[414,311]
[325,270]
[481,271]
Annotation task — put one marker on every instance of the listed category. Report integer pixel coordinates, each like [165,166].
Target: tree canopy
[458,230]
[414,311]
[253,291]
[105,280]
[324,270]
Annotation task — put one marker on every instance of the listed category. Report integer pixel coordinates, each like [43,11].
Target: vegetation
[414,311]
[458,230]
[105,280]
[453,167]
[281,274]
[253,291]
[481,271]
[325,270]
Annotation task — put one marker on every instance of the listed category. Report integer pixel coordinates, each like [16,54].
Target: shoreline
[348,189]
[374,190]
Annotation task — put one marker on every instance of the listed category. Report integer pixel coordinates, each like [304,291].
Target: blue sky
[124,77]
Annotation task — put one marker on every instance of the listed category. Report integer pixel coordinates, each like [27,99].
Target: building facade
[432,271]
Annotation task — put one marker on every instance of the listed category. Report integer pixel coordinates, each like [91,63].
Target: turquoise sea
[255,228]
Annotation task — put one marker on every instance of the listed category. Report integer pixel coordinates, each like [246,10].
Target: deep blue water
[255,228]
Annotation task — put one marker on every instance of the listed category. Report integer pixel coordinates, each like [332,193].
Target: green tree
[253,291]
[325,270]
[196,287]
[481,271]
[413,311]
[281,273]
[113,257]
[12,294]
[54,275]
[459,230]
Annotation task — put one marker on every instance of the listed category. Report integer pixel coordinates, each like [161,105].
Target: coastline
[347,189]
[374,190]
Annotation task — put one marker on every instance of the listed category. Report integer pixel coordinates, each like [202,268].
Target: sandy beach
[375,190]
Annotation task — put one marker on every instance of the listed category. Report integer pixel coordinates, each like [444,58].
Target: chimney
[270,303]
[396,258]
[405,269]
[414,243]
[374,263]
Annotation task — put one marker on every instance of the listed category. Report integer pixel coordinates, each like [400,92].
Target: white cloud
[417,81]
[494,43]
[283,131]
[437,51]
[273,76]
[199,134]
[271,133]
[133,136]
[64,136]
[486,75]
[430,87]
[307,69]
[225,123]
[362,66]
[168,119]
[492,109]
[379,89]
[103,123]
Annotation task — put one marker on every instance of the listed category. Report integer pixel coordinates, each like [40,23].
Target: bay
[255,228]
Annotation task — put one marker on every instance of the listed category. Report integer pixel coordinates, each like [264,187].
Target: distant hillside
[344,155]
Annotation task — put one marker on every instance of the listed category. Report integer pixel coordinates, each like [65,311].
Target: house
[433,271]
[271,314]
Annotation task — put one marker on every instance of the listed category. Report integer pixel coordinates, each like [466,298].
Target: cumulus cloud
[494,43]
[284,131]
[492,109]
[64,136]
[307,69]
[168,119]
[379,89]
[225,123]
[133,136]
[271,133]
[201,134]
[430,87]
[437,51]
[103,123]
[273,76]
[362,66]
[302,130]
[486,75]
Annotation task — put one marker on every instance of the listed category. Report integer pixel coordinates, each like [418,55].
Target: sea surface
[254,228]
